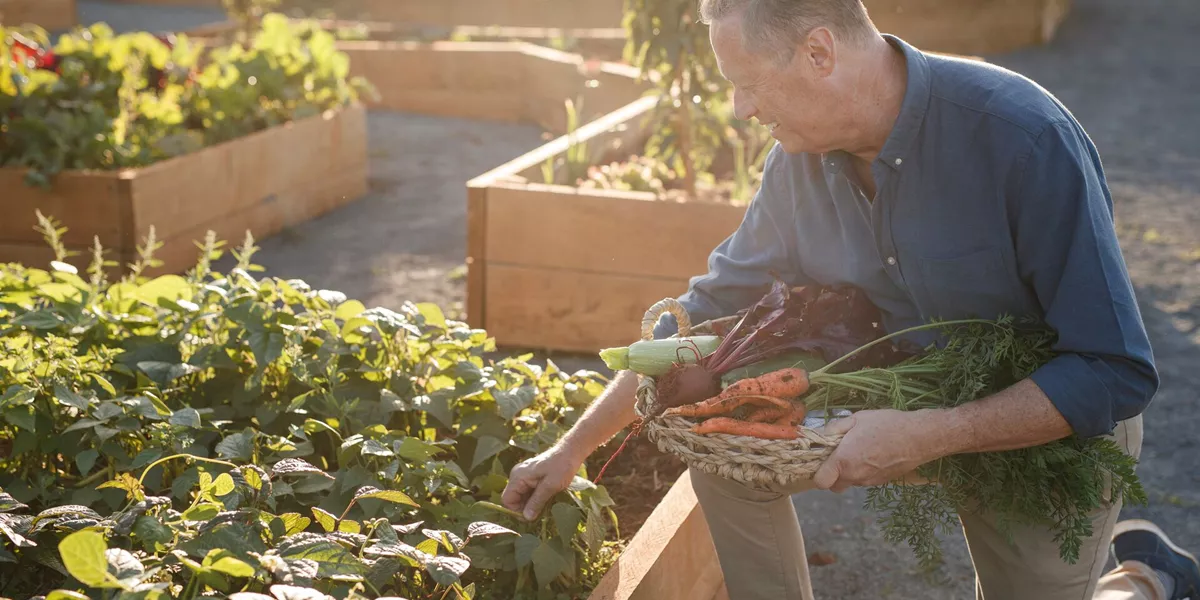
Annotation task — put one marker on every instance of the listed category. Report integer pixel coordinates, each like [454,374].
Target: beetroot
[686,384]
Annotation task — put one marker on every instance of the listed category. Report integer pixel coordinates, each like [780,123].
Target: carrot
[784,383]
[720,404]
[768,431]
[794,416]
[767,414]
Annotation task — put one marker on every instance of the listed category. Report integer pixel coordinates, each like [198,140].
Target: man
[942,188]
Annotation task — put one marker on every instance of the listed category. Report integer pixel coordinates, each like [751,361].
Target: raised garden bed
[560,267]
[970,26]
[228,188]
[53,15]
[598,43]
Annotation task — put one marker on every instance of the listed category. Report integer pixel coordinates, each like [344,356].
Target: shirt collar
[912,111]
[912,108]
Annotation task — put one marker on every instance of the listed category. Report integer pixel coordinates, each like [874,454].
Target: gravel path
[1130,73]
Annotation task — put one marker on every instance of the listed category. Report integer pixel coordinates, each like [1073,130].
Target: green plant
[573,164]
[218,431]
[96,100]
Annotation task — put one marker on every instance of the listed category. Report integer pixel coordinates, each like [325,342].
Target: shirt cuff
[667,326]
[1078,393]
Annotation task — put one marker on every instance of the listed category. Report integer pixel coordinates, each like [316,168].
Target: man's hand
[535,480]
[883,445]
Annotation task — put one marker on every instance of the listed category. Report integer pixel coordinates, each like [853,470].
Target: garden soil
[1129,72]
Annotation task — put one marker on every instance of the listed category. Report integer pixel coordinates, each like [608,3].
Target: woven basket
[749,460]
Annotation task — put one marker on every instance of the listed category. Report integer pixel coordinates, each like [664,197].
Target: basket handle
[672,306]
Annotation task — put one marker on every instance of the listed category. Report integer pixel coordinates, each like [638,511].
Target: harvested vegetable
[768,431]
[768,414]
[826,321]
[722,404]
[656,357]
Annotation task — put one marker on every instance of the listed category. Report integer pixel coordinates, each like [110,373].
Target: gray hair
[775,26]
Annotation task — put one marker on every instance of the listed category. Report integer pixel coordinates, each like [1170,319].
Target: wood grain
[87,203]
[672,556]
[604,232]
[51,15]
[573,311]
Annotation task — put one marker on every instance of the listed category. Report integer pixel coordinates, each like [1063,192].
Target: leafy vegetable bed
[132,136]
[183,434]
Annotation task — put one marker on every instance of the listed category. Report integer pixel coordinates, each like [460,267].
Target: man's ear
[820,51]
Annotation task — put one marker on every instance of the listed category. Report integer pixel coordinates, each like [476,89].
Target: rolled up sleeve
[1068,253]
[740,268]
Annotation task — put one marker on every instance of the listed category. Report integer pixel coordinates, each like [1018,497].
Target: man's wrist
[949,432]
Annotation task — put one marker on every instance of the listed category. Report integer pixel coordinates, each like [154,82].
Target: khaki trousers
[761,549]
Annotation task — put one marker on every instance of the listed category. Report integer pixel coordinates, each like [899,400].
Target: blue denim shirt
[991,200]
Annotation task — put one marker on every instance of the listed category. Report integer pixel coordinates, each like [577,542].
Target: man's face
[795,99]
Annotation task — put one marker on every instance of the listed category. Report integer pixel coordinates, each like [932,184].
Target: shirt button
[898,161]
[891,260]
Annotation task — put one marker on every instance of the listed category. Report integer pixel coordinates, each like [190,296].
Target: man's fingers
[827,475]
[517,491]
[540,495]
[837,426]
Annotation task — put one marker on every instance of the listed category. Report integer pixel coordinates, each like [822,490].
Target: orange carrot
[768,414]
[768,431]
[783,383]
[793,417]
[721,404]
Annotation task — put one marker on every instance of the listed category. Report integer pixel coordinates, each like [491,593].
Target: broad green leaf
[86,460]
[171,287]
[125,481]
[566,520]
[70,398]
[65,595]
[163,373]
[237,446]
[451,542]
[349,309]
[152,531]
[432,313]
[446,570]
[231,566]
[295,522]
[202,512]
[6,556]
[223,485]
[292,592]
[289,466]
[21,416]
[548,564]
[185,417]
[525,546]
[429,547]
[123,565]
[252,477]
[18,540]
[436,405]
[485,448]
[375,448]
[394,496]
[509,403]
[331,558]
[325,518]
[8,503]
[484,529]
[83,555]
[416,450]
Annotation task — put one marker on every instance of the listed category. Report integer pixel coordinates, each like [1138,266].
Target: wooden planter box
[565,268]
[501,81]
[970,26]
[670,558]
[596,43]
[248,183]
[51,15]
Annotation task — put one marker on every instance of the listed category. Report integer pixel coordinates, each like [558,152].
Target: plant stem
[94,477]
[174,456]
[864,347]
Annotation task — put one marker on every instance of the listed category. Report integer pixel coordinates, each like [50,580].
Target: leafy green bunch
[140,398]
[1058,486]
[96,100]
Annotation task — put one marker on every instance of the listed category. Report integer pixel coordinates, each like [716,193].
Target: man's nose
[743,108]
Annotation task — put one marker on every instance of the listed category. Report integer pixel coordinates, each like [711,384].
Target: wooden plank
[528,13]
[969,26]
[571,311]
[596,87]
[672,556]
[476,255]
[51,15]
[561,227]
[87,203]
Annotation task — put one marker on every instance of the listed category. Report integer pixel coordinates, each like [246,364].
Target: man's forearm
[1017,417]
[610,413]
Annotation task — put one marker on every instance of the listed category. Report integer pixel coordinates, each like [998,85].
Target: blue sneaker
[1143,541]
